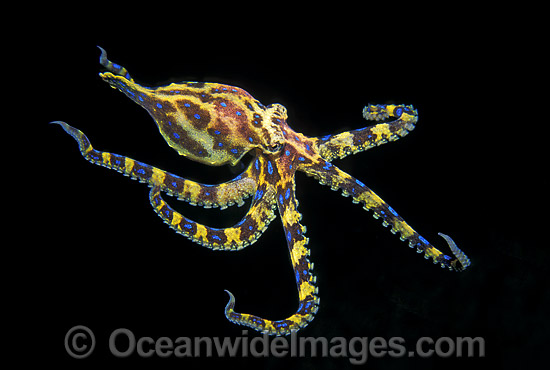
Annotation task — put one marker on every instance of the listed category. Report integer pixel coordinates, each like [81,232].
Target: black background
[94,253]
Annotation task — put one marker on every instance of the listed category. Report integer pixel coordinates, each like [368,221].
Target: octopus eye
[275,147]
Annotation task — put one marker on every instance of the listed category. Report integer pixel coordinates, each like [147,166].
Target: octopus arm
[220,195]
[332,176]
[402,119]
[244,233]
[302,268]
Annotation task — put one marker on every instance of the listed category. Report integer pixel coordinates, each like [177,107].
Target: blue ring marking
[278,324]
[287,152]
[197,116]
[216,132]
[234,151]
[174,184]
[167,212]
[159,106]
[141,171]
[269,168]
[398,112]
[327,165]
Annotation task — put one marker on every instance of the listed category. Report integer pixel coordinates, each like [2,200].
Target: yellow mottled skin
[128,165]
[158,176]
